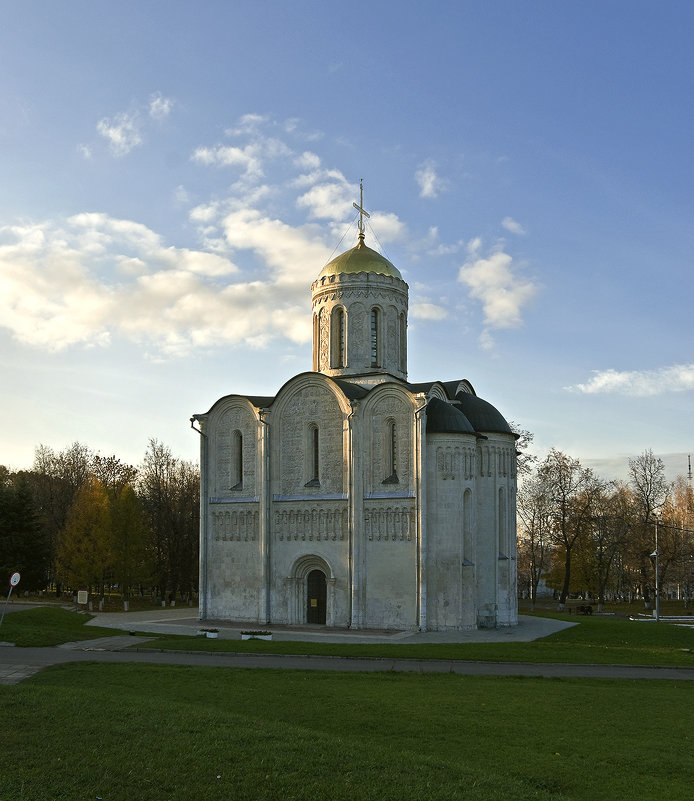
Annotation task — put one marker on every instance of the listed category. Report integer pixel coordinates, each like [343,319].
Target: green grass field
[48,625]
[595,640]
[124,732]
[145,732]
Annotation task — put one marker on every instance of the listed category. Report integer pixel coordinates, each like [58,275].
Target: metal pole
[657,576]
[4,609]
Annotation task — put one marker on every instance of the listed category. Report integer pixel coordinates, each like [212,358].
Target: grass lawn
[595,640]
[49,625]
[123,732]
[126,731]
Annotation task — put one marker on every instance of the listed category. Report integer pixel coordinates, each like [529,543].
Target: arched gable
[309,436]
[387,434]
[233,433]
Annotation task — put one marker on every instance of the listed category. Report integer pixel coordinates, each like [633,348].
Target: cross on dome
[360,208]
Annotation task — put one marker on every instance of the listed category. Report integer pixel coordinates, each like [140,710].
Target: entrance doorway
[316,597]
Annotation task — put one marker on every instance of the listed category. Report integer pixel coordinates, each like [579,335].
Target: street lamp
[657,573]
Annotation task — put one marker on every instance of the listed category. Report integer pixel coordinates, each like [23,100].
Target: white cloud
[329,200]
[122,132]
[512,226]
[181,195]
[676,378]
[502,294]
[474,245]
[427,311]
[430,184]
[125,131]
[93,276]
[290,253]
[307,161]
[251,158]
[248,124]
[159,106]
[388,227]
[225,156]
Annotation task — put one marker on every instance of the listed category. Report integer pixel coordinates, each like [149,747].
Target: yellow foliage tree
[84,544]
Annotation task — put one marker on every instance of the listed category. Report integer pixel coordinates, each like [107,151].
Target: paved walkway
[184,621]
[19,663]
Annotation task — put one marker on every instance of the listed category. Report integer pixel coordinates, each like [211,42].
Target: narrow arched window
[403,343]
[338,337]
[316,452]
[391,451]
[316,342]
[468,549]
[313,457]
[342,338]
[236,473]
[374,337]
[503,539]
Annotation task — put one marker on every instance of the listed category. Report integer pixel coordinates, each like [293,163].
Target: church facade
[353,498]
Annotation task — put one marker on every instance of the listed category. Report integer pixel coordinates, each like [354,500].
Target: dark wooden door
[316,597]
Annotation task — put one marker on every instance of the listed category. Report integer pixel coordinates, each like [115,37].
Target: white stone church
[353,498]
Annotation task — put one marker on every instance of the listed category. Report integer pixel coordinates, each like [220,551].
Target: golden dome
[360,259]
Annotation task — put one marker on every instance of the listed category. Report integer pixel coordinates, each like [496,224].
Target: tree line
[79,520]
[580,534]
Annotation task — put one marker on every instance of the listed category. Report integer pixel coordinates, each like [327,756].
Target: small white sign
[14,579]
[82,596]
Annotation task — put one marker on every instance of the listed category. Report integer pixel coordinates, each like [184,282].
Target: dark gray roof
[260,402]
[444,418]
[467,414]
[482,415]
[422,386]
[352,391]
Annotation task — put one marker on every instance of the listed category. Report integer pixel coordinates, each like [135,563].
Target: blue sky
[173,175]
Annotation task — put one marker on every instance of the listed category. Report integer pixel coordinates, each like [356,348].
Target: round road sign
[14,579]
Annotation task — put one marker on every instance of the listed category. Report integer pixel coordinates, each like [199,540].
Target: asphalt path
[17,664]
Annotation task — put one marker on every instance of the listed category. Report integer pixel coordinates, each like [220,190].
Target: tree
[131,563]
[112,473]
[570,491]
[650,490]
[533,507]
[170,489]
[525,460]
[53,483]
[23,546]
[683,518]
[610,525]
[84,544]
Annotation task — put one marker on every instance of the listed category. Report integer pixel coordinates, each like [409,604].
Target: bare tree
[525,460]
[611,524]
[570,491]
[169,489]
[650,490]
[534,548]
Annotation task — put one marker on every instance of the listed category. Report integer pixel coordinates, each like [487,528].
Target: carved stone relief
[235,525]
[390,523]
[310,524]
[455,462]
